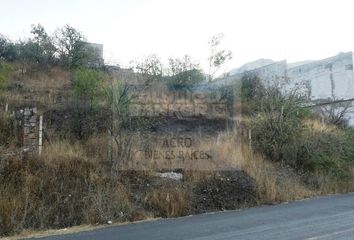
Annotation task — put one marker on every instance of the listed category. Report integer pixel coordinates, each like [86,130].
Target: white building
[324,80]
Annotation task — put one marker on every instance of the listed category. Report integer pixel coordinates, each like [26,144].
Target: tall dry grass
[169,201]
[275,183]
[61,188]
[42,89]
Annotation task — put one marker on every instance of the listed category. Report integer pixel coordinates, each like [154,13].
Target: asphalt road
[320,218]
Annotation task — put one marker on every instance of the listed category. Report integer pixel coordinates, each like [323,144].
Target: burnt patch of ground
[224,190]
[213,191]
[168,124]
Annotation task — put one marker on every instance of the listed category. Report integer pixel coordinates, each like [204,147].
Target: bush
[87,85]
[277,125]
[330,151]
[185,80]
[5,71]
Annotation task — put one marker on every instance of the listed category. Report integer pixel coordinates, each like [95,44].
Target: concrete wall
[271,73]
[330,78]
[327,79]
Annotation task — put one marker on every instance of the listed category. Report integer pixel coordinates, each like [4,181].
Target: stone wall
[27,129]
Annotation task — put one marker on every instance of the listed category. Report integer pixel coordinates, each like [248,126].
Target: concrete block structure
[95,57]
[330,78]
[323,80]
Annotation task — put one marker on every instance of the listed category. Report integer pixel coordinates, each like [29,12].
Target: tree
[26,54]
[8,49]
[183,73]
[70,45]
[150,68]
[44,46]
[218,57]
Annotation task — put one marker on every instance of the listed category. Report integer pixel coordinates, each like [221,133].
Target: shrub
[185,80]
[87,85]
[327,150]
[7,133]
[5,71]
[277,125]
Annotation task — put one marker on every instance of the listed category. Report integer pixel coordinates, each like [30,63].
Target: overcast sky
[278,29]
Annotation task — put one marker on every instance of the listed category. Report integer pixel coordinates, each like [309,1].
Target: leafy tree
[7,49]
[150,68]
[44,48]
[183,73]
[70,46]
[218,57]
[86,85]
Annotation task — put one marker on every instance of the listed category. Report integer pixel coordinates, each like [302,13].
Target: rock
[171,175]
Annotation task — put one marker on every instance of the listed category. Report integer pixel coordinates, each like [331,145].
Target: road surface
[319,218]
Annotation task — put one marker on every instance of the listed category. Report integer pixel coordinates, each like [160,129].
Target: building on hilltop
[323,80]
[94,54]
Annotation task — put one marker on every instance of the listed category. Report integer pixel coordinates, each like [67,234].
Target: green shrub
[327,151]
[86,85]
[5,71]
[184,80]
[277,125]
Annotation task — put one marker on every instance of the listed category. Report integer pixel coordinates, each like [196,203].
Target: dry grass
[317,126]
[169,201]
[55,79]
[63,150]
[61,188]
[97,146]
[275,183]
[42,89]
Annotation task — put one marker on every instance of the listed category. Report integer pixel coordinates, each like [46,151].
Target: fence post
[250,138]
[40,135]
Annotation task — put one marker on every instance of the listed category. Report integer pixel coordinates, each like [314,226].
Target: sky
[295,30]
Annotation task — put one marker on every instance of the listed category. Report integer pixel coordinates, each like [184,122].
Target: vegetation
[292,152]
[183,74]
[66,47]
[7,134]
[87,85]
[285,131]
[63,188]
[5,71]
[218,57]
